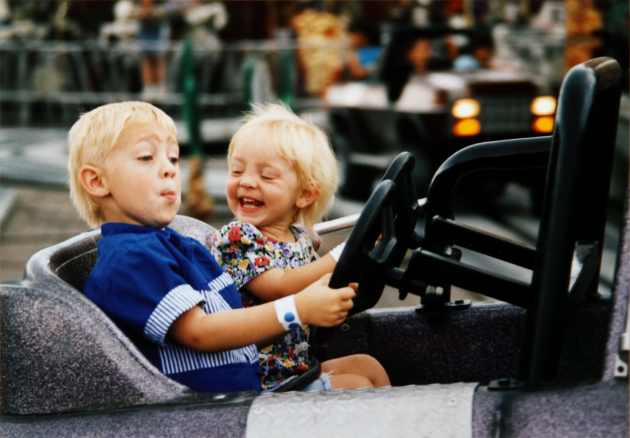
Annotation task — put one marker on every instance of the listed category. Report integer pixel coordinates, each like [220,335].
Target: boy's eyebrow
[153,135]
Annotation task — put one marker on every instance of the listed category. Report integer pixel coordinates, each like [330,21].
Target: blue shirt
[368,56]
[466,63]
[145,278]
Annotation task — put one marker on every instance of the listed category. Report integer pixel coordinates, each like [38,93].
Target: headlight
[543,106]
[464,108]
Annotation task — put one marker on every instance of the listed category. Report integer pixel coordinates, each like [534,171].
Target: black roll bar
[578,157]
[574,207]
[522,153]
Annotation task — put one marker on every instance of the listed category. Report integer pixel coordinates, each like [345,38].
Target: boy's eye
[174,160]
[147,158]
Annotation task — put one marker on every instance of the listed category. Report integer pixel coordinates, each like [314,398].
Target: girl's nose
[248,182]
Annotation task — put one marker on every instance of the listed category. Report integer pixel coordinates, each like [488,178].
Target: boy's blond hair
[94,136]
[303,144]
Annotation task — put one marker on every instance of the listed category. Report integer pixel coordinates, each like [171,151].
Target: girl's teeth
[250,203]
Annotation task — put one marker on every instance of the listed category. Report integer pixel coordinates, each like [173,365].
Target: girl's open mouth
[250,204]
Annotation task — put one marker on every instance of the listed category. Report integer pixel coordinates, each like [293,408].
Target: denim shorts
[321,384]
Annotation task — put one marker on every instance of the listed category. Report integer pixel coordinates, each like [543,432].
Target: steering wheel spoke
[384,248]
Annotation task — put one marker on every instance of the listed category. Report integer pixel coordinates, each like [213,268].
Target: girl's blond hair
[94,136]
[301,143]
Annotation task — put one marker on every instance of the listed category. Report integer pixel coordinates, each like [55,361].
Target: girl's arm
[276,283]
[317,305]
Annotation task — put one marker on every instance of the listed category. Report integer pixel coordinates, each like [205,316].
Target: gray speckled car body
[68,370]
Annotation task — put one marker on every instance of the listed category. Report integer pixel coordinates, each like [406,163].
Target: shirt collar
[112,228]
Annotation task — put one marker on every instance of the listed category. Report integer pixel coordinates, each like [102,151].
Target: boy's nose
[169,173]
[169,170]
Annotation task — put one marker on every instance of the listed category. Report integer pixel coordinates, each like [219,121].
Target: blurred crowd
[152,24]
[335,40]
[109,20]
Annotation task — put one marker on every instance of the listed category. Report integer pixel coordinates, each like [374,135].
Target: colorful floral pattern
[244,252]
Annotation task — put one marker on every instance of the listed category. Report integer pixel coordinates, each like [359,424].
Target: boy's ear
[93,181]
[308,195]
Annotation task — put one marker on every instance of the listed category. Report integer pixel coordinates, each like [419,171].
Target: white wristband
[337,250]
[287,313]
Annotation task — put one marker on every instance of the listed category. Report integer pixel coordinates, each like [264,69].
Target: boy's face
[143,177]
[262,188]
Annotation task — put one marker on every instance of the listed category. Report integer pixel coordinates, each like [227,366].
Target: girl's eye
[147,158]
[267,177]
[236,172]
[174,160]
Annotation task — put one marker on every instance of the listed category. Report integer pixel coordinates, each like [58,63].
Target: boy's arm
[225,330]
[316,305]
[276,283]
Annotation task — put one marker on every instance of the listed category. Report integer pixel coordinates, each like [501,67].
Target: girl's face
[263,189]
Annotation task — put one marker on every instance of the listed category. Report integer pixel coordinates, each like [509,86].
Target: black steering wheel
[365,260]
[391,212]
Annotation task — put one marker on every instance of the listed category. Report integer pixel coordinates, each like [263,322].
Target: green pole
[191,109]
[197,201]
[248,79]
[287,77]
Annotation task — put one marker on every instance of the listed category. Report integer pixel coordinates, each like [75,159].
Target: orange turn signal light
[543,124]
[467,127]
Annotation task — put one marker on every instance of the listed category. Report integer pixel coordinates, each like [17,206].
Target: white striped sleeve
[179,300]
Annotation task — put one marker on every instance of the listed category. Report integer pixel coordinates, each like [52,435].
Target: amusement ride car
[431,113]
[550,359]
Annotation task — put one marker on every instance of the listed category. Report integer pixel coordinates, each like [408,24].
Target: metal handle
[349,221]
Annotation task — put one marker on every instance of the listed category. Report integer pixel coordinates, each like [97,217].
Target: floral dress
[244,252]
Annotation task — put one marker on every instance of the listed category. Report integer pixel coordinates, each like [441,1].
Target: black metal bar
[584,268]
[574,207]
[495,155]
[482,242]
[441,270]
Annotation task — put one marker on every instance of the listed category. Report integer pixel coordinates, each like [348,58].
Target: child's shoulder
[237,232]
[125,256]
[304,237]
[301,232]
[299,229]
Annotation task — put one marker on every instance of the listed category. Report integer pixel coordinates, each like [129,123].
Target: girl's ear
[309,195]
[93,181]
